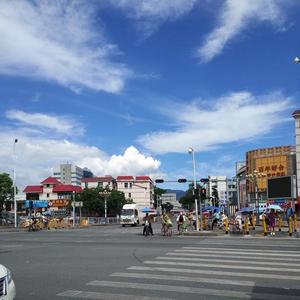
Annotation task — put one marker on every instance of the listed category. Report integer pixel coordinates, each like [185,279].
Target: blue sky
[125,87]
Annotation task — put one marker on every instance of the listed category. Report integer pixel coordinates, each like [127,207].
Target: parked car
[7,285]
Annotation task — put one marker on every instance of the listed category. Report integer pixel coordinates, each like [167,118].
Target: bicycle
[166,230]
[180,228]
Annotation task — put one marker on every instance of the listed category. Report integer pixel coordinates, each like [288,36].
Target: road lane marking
[212,265]
[184,278]
[235,249]
[222,251]
[272,263]
[246,257]
[105,296]
[213,272]
[249,244]
[190,290]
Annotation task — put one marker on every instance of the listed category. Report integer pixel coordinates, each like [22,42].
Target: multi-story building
[232,191]
[140,189]
[68,174]
[171,198]
[265,163]
[241,185]
[99,182]
[219,184]
[52,192]
[87,173]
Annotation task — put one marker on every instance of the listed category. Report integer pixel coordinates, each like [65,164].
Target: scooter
[146,229]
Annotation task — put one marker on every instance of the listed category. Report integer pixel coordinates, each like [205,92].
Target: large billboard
[281,187]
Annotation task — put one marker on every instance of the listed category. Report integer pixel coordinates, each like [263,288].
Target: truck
[131,214]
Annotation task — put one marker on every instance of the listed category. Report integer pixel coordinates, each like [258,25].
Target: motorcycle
[146,229]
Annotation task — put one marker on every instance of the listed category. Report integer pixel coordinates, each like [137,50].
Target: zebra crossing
[206,270]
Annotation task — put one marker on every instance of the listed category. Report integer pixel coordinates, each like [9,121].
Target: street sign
[78,204]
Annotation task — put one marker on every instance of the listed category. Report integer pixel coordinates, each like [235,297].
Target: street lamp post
[253,178]
[105,194]
[191,151]
[14,183]
[74,209]
[297,60]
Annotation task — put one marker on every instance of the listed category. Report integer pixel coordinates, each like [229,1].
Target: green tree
[6,191]
[115,203]
[157,194]
[167,207]
[188,200]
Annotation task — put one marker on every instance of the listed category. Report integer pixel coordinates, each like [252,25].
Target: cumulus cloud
[150,14]
[234,17]
[60,124]
[35,157]
[58,41]
[207,125]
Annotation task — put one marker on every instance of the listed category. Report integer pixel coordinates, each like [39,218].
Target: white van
[131,214]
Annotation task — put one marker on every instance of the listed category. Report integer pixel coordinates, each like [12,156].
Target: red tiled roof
[66,188]
[98,179]
[33,189]
[125,178]
[51,180]
[142,178]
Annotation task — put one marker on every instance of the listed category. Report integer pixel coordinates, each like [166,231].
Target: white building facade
[68,174]
[171,198]
[99,182]
[140,189]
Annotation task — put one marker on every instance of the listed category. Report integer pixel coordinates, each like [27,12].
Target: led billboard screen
[280,187]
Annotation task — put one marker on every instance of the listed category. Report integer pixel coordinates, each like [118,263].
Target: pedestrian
[271,218]
[216,218]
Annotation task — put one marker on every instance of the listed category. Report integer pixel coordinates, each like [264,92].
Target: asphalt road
[111,262]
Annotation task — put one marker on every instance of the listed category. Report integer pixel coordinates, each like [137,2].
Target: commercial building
[51,193]
[241,183]
[217,185]
[68,174]
[265,163]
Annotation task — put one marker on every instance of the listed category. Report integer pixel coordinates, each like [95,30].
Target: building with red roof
[101,182]
[57,194]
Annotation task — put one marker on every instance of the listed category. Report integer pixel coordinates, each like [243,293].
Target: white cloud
[236,117]
[150,14]
[60,124]
[36,156]
[58,41]
[234,17]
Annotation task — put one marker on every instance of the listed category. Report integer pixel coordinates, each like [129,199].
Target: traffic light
[159,180]
[181,180]
[203,192]
[204,180]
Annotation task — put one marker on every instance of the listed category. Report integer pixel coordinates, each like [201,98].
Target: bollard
[290,226]
[246,225]
[226,225]
[253,221]
[279,223]
[295,222]
[264,225]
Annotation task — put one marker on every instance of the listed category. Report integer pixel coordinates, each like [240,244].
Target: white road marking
[105,296]
[190,290]
[235,261]
[184,278]
[213,272]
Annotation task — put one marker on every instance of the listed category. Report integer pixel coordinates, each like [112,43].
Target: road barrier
[290,221]
[295,222]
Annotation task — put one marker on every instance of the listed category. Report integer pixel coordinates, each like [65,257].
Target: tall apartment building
[68,174]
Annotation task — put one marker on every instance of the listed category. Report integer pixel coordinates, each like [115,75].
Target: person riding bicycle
[147,219]
[166,222]
[181,219]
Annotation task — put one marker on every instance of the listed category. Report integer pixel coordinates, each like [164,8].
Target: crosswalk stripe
[191,290]
[211,265]
[184,278]
[235,249]
[213,272]
[236,261]
[246,257]
[105,296]
[249,244]
[222,251]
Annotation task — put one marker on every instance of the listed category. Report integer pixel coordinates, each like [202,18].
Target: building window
[126,185]
[129,195]
[86,185]
[130,185]
[100,184]
[48,195]
[48,185]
